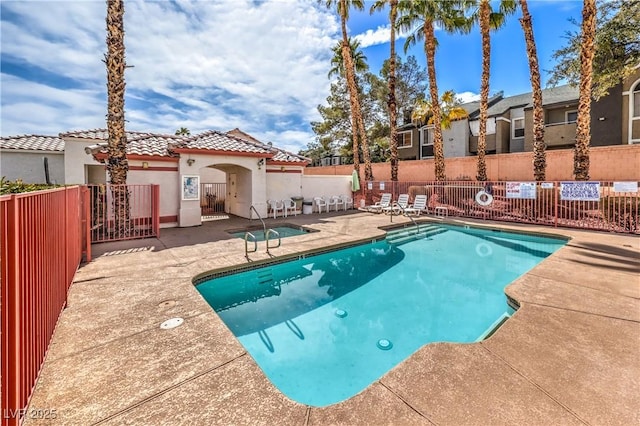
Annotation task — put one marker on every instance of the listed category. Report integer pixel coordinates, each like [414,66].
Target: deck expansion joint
[404,401]
[167,389]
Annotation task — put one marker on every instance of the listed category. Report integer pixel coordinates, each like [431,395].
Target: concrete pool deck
[570,355]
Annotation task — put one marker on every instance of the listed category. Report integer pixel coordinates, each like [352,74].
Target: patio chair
[385,201]
[320,202]
[419,205]
[276,206]
[398,206]
[347,202]
[334,201]
[289,207]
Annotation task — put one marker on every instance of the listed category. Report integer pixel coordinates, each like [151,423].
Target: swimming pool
[284,230]
[324,327]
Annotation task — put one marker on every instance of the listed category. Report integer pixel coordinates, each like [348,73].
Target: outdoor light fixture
[190,161]
[260,163]
[145,165]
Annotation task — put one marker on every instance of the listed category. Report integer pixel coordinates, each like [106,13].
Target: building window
[426,136]
[517,124]
[404,139]
[571,116]
[636,101]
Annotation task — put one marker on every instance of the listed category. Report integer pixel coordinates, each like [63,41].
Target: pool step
[264,276]
[407,235]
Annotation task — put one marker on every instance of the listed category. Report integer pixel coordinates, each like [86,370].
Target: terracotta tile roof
[278,154]
[218,141]
[99,134]
[33,142]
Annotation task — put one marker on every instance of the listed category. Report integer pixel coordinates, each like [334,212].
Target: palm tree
[583,122]
[391,103]
[117,164]
[357,56]
[357,122]
[488,20]
[448,15]
[183,131]
[539,154]
[450,111]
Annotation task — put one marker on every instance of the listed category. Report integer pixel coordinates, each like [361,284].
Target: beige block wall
[608,163]
[29,166]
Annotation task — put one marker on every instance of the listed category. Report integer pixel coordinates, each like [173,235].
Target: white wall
[75,158]
[325,186]
[29,166]
[456,139]
[282,186]
[211,175]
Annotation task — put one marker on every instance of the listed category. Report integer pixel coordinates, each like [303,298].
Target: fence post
[11,362]
[156,210]
[87,221]
[556,189]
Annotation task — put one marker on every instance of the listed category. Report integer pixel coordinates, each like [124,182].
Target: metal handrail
[264,227]
[268,233]
[395,204]
[246,243]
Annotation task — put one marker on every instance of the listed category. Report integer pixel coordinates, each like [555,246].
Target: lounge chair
[398,206]
[385,201]
[419,205]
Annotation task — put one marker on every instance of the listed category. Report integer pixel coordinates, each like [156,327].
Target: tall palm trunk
[430,50]
[539,154]
[393,108]
[583,124]
[484,89]
[354,101]
[117,164]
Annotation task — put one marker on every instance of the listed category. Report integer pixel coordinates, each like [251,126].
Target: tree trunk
[393,108]
[117,164]
[354,102]
[430,50]
[583,125]
[539,154]
[484,89]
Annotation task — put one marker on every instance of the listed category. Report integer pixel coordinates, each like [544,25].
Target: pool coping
[440,383]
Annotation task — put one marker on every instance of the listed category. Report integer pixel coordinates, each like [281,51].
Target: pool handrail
[268,233]
[264,227]
[246,243]
[406,215]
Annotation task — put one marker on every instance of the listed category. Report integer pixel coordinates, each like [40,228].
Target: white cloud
[255,65]
[380,35]
[465,97]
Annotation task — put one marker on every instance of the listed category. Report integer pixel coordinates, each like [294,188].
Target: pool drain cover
[384,344]
[340,313]
[171,323]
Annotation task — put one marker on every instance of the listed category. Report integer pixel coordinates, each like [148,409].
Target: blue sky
[219,64]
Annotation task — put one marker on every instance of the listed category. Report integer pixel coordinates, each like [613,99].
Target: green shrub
[17,187]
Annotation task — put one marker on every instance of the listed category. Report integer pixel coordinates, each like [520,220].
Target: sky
[259,65]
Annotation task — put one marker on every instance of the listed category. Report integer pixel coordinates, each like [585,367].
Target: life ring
[483,250]
[484,198]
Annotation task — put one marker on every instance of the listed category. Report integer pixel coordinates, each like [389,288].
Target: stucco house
[31,158]
[251,171]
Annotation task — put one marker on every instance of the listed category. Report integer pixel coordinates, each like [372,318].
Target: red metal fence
[602,206]
[114,221]
[41,248]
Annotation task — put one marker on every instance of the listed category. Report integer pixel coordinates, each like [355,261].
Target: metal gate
[124,212]
[212,196]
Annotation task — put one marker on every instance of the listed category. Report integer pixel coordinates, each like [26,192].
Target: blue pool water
[284,231]
[324,327]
